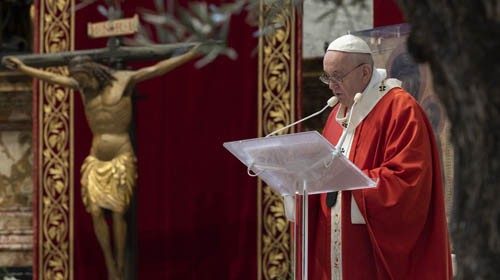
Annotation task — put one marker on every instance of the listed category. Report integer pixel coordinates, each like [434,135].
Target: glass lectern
[302,163]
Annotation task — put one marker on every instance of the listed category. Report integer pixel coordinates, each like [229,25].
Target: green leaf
[231,53]
[200,9]
[222,31]
[156,19]
[211,56]
[234,8]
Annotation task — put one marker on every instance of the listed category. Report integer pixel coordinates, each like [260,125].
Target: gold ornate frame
[54,147]
[276,108]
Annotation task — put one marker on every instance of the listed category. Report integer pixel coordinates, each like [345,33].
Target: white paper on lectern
[285,162]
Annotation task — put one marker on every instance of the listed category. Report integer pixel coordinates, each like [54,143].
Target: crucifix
[108,174]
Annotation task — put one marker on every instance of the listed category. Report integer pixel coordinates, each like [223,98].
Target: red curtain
[196,207]
[386,12]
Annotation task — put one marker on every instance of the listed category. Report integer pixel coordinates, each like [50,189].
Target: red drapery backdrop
[386,12]
[196,207]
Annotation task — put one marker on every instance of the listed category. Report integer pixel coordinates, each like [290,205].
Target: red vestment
[405,235]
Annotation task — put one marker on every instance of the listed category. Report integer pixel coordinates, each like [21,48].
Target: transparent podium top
[285,162]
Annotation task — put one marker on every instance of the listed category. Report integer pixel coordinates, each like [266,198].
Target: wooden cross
[120,53]
[114,52]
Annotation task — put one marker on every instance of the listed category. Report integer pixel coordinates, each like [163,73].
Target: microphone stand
[330,103]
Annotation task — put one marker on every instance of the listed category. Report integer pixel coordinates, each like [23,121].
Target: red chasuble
[405,235]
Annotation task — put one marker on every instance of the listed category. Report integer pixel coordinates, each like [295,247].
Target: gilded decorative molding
[448,167]
[276,108]
[55,158]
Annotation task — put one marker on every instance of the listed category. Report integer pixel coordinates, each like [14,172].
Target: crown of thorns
[86,65]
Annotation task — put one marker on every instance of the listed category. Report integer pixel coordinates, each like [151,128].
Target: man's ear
[367,73]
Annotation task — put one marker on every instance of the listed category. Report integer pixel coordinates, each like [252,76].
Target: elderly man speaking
[397,230]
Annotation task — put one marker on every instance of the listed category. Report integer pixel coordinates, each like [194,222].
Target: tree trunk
[461,42]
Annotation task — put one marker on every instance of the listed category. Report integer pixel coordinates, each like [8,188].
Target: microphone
[330,103]
[357,97]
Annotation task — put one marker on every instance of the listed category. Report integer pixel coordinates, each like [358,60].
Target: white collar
[376,89]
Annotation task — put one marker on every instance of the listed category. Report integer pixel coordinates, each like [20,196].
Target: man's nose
[333,85]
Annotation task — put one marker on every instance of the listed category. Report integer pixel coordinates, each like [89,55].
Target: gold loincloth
[108,184]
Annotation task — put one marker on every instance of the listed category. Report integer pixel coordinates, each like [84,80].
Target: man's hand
[12,62]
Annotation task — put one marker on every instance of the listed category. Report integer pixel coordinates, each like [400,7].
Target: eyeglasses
[332,79]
